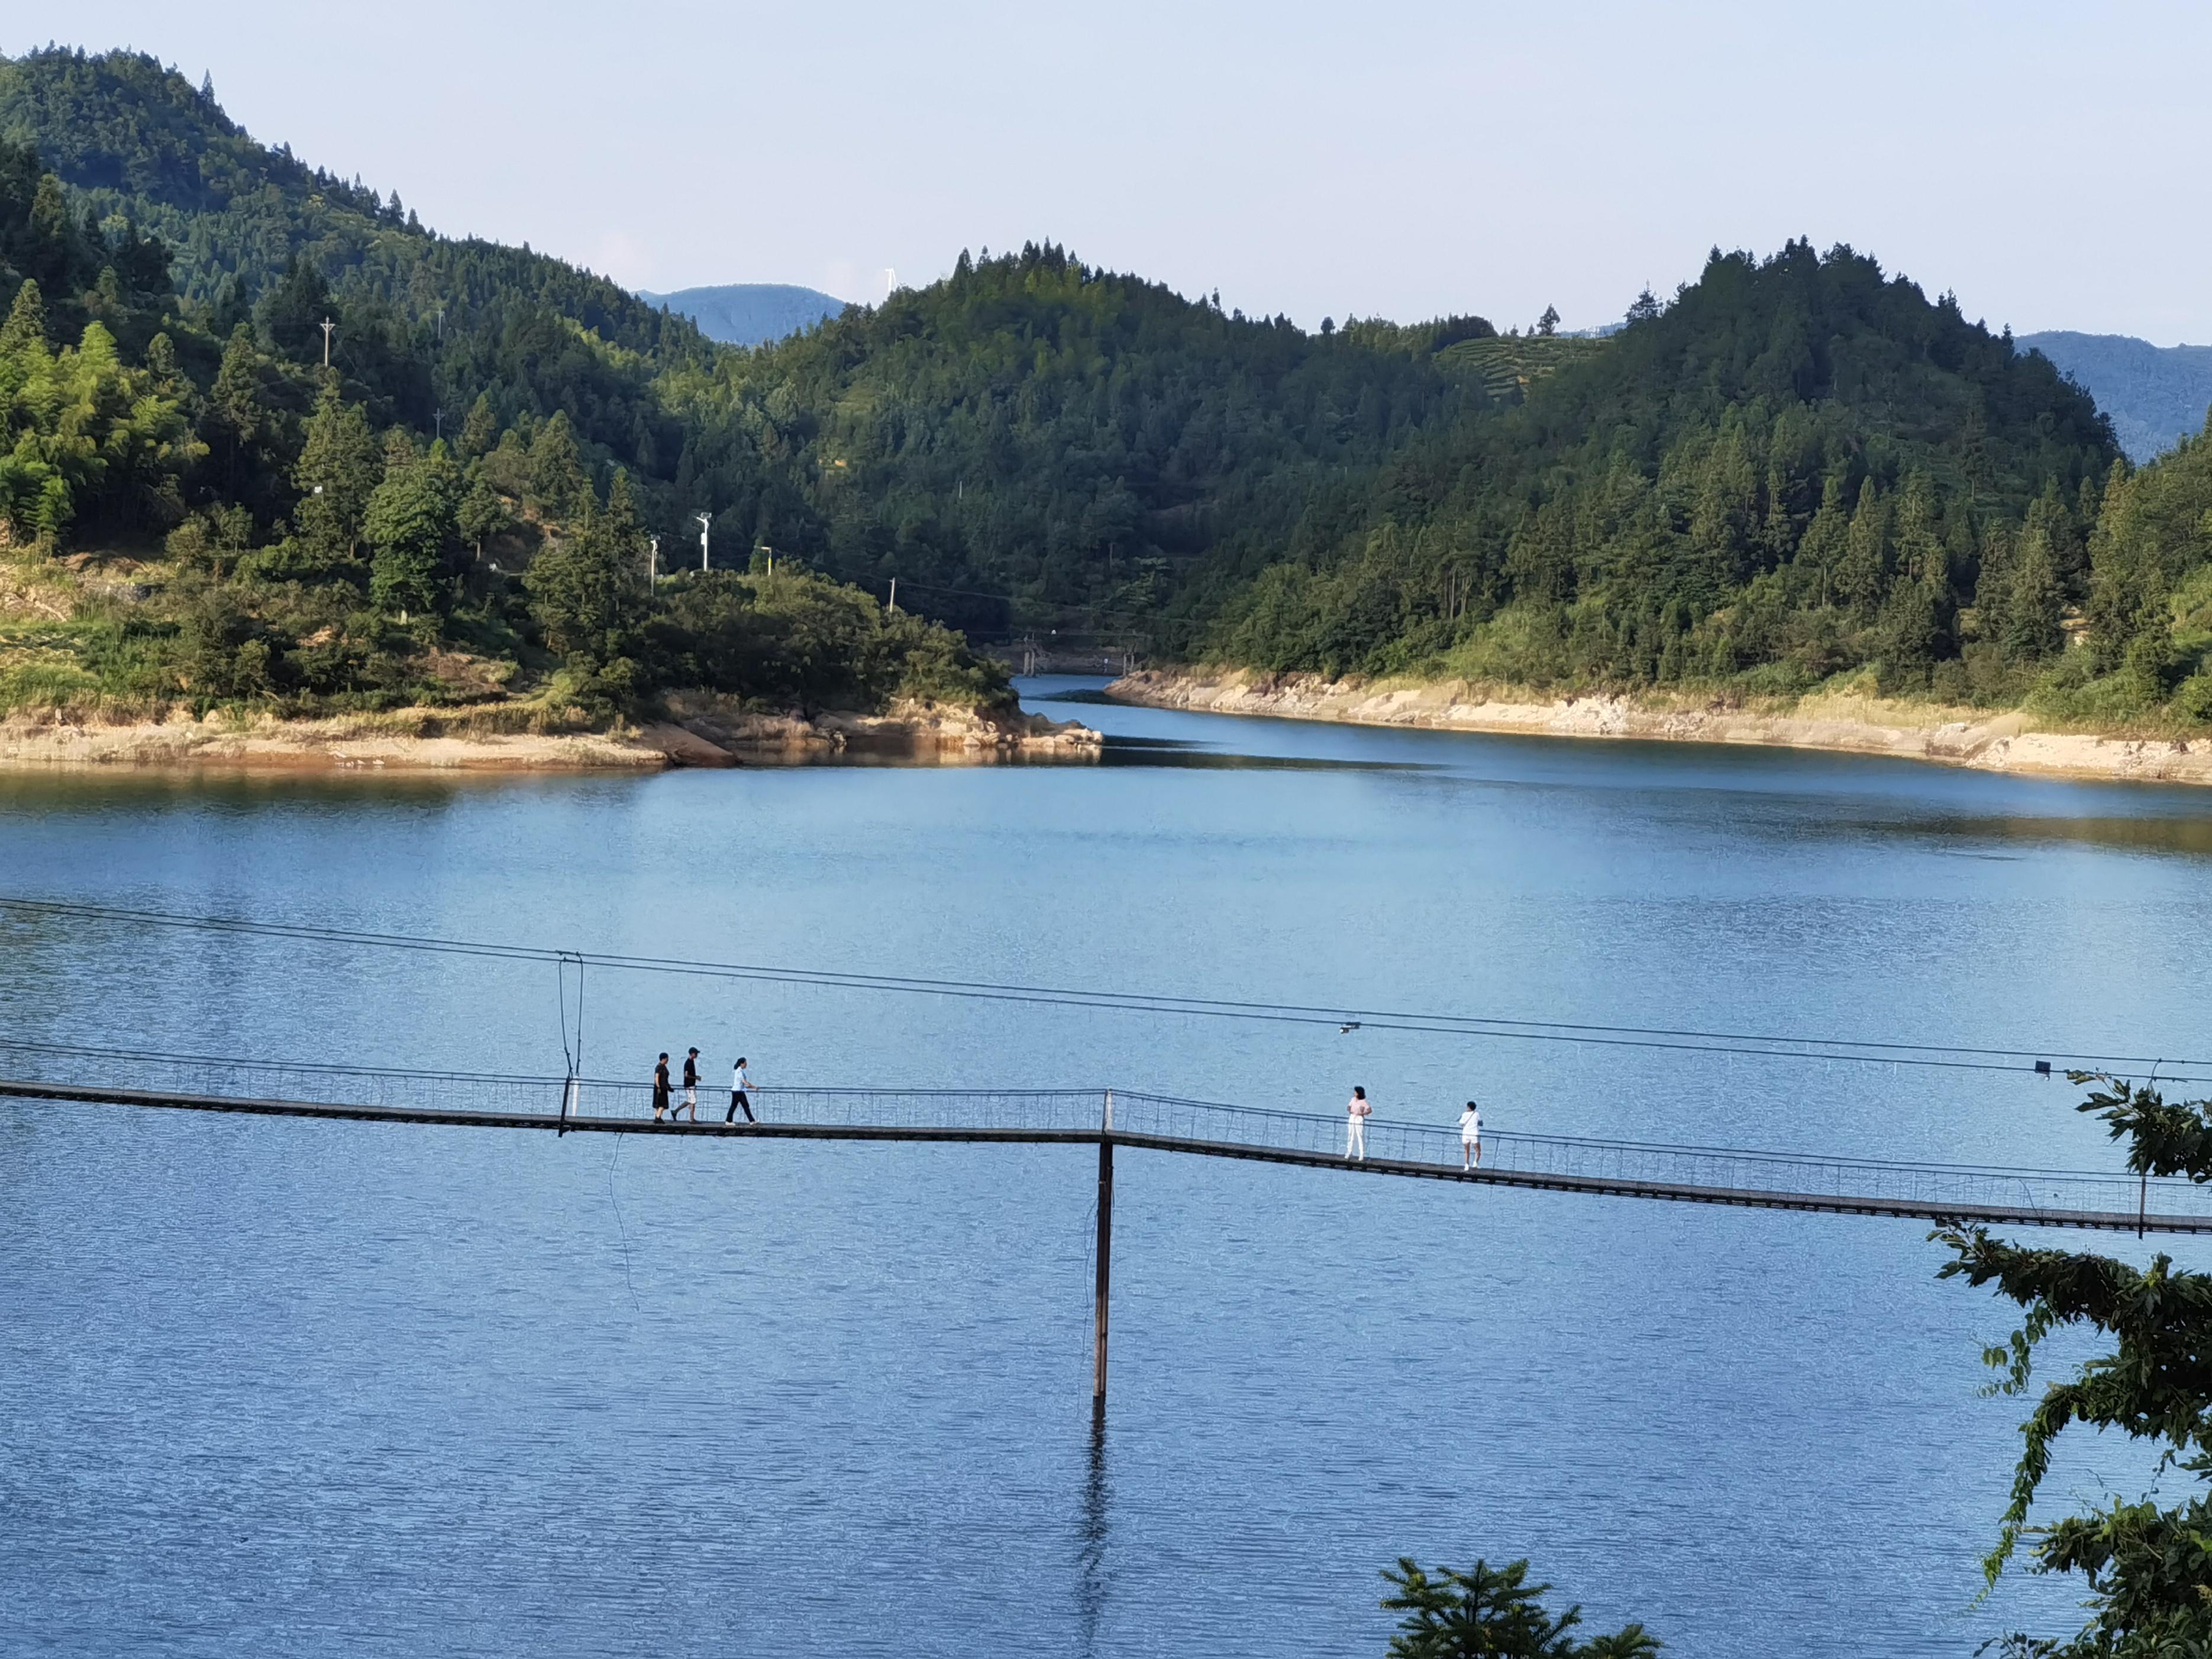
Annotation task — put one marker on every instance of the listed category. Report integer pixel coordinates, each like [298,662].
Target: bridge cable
[1689,1039]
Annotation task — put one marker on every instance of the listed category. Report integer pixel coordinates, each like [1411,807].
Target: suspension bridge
[1111,1118]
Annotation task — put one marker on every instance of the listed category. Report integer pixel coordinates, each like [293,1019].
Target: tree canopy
[1494,1613]
[2147,1563]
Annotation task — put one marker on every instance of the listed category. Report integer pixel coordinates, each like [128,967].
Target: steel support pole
[1105,1270]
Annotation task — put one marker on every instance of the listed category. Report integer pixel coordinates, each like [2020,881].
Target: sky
[2046,162]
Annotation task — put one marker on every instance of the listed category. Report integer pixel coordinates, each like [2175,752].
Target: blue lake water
[336,1389]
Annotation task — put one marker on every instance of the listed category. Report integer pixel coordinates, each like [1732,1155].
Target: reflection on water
[2151,833]
[1171,751]
[1092,1581]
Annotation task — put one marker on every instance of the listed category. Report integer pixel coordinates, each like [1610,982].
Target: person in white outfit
[1470,1137]
[1355,1126]
[741,1085]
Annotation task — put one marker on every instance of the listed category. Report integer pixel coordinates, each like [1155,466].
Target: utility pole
[652,562]
[438,416]
[894,596]
[706,529]
[327,326]
[1105,1257]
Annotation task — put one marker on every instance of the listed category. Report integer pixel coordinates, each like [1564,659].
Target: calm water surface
[334,1389]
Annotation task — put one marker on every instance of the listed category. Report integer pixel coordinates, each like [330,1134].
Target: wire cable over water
[1345,1017]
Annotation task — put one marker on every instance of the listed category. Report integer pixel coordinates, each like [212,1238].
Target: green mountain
[1799,468]
[749,313]
[1036,443]
[2155,395]
[1030,444]
[253,529]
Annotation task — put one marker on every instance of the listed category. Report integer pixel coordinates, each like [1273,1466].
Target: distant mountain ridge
[2156,395]
[750,313]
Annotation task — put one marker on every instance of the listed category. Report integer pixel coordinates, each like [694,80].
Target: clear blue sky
[2047,162]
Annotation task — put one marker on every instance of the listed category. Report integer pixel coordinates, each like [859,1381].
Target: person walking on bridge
[659,1088]
[740,1082]
[1355,1126]
[1470,1137]
[690,1087]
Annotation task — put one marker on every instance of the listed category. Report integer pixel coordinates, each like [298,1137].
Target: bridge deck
[1091,1117]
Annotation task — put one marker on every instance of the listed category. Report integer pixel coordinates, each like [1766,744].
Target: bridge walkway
[1121,1118]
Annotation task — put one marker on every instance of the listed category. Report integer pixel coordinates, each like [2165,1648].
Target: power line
[1682,1039]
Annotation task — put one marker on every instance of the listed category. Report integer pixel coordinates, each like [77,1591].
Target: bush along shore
[1851,717]
[147,658]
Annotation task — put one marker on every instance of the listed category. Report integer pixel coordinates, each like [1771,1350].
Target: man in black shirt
[690,1086]
[660,1088]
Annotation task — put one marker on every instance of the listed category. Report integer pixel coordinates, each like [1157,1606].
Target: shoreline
[1839,723]
[701,732]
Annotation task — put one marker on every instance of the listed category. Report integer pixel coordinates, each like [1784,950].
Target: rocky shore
[700,732]
[1858,725]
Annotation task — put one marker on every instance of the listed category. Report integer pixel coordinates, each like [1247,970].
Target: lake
[334,1389]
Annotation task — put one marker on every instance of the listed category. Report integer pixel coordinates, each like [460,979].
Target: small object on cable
[1353,1026]
[2043,1068]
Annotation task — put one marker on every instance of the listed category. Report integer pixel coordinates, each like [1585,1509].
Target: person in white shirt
[1355,1126]
[1470,1137]
[740,1081]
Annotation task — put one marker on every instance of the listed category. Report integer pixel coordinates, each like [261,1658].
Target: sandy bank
[702,732]
[1864,726]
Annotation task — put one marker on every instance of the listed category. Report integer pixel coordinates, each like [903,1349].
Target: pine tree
[236,401]
[480,431]
[2035,604]
[581,590]
[1917,546]
[1862,578]
[410,524]
[1492,1613]
[483,513]
[26,322]
[558,486]
[1826,540]
[339,468]
[2123,587]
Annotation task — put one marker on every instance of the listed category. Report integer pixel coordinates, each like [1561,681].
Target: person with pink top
[1355,1126]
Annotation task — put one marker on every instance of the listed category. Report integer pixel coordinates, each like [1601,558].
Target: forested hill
[1798,468]
[1032,443]
[424,322]
[1090,445]
[462,503]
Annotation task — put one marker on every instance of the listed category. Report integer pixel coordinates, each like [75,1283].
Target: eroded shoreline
[1852,724]
[700,732]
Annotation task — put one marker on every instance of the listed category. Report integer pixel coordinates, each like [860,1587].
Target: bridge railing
[306,1081]
[1076,1111]
[1617,1164]
[1623,1163]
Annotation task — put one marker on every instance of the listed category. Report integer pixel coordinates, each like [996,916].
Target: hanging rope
[572,1087]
